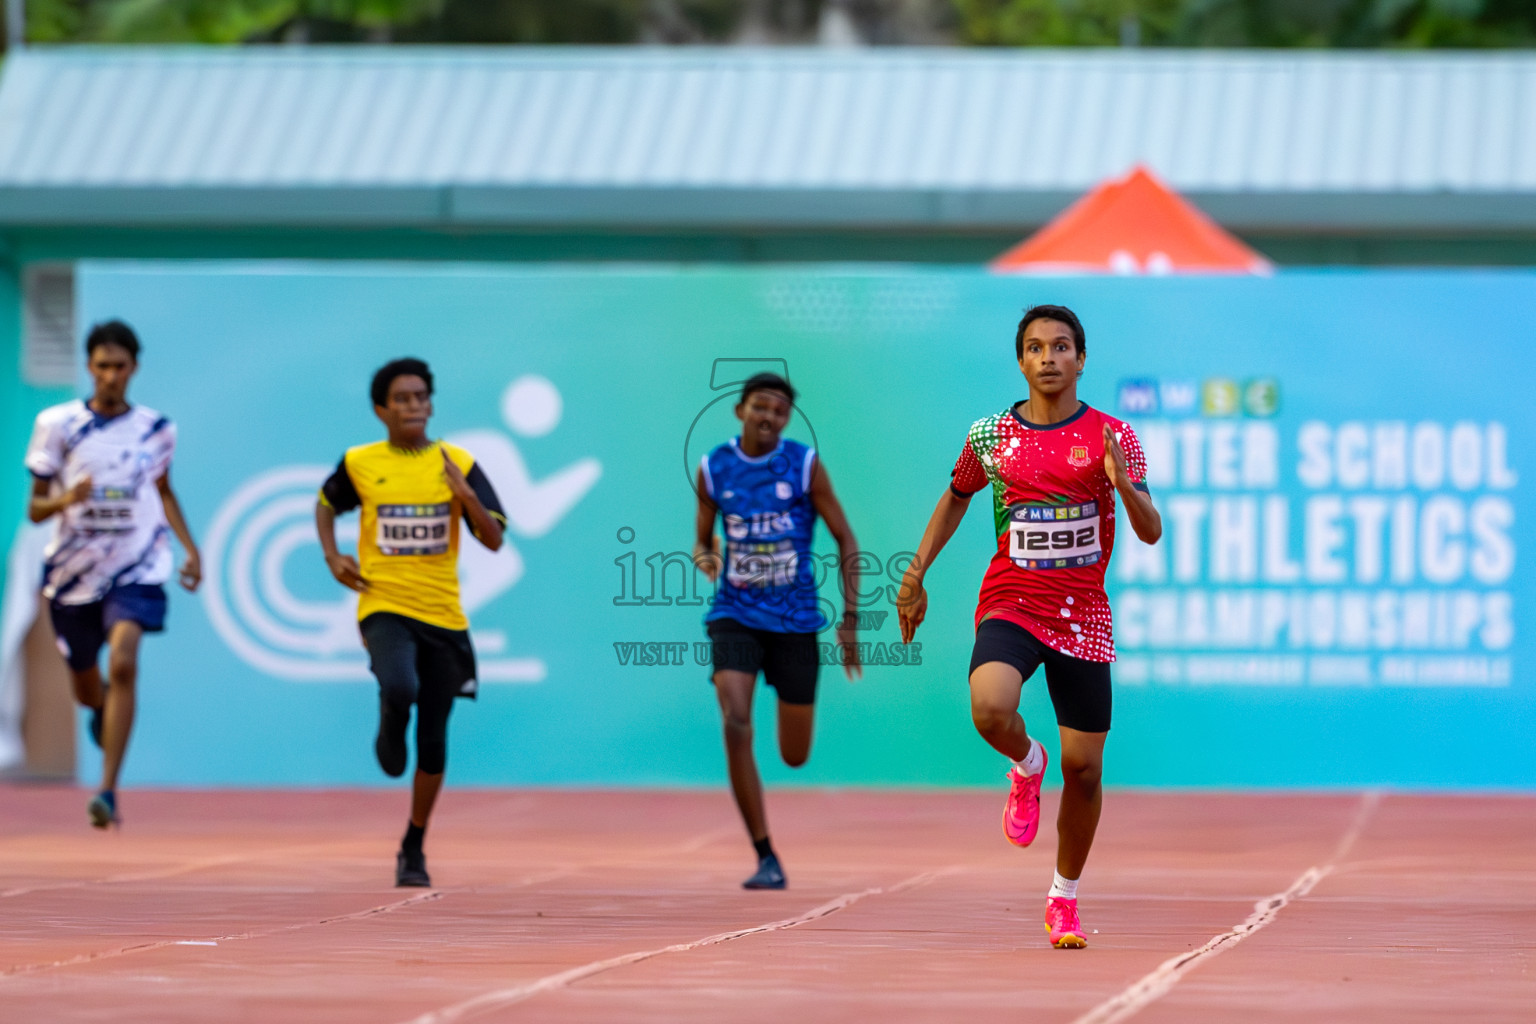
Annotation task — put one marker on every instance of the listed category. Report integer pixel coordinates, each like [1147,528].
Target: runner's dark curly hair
[408,367]
[1062,313]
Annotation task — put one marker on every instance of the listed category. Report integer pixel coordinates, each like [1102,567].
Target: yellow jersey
[408,540]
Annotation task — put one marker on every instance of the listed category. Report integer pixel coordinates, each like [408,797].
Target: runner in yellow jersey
[412,492]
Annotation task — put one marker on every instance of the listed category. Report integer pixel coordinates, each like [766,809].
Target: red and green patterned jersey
[1054,510]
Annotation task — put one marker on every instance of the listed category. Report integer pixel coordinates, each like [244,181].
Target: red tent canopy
[1133,225]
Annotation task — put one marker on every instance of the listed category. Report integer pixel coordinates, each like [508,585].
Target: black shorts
[409,657]
[789,661]
[81,629]
[1079,689]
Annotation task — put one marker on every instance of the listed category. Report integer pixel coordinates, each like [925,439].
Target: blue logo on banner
[1138,397]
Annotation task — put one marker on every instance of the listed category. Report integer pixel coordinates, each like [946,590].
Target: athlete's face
[407,408]
[111,368]
[763,417]
[1050,361]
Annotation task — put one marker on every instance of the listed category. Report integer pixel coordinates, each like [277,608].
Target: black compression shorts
[418,663]
[1079,689]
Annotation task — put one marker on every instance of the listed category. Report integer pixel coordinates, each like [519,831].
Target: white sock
[1032,762]
[1063,888]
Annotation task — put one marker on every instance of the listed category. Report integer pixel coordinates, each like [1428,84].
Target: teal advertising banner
[1339,458]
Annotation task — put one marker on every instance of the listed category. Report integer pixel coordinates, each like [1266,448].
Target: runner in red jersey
[1055,465]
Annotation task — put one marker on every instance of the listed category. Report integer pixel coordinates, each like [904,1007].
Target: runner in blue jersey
[768,490]
[101,469]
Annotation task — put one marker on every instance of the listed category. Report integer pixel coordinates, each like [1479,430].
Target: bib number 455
[108,510]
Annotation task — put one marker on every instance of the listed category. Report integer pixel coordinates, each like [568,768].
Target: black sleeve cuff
[338,491]
[481,485]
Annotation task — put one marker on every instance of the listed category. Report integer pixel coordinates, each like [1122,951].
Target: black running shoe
[96,727]
[103,809]
[411,870]
[769,875]
[389,745]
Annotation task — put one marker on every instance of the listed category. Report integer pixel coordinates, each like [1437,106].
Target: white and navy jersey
[118,535]
[769,582]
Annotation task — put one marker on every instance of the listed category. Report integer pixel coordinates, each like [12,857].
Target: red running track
[625,906]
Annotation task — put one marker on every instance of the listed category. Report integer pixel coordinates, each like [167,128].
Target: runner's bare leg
[1082,797]
[117,716]
[734,690]
[995,689]
[796,722]
[424,790]
[87,686]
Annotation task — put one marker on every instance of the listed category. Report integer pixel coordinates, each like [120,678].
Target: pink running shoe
[1061,922]
[1021,816]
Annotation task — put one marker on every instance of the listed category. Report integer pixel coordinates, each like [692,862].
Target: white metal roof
[879,137]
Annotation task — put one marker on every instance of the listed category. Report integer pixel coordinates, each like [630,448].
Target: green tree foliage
[578,21]
[336,21]
[1193,23]
[54,21]
[1240,23]
[217,21]
[1066,22]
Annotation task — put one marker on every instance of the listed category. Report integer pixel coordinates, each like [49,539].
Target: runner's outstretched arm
[831,511]
[912,602]
[191,571]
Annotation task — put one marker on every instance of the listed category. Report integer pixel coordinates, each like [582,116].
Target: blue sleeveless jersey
[769,580]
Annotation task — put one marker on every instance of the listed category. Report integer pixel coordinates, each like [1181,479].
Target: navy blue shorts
[82,628]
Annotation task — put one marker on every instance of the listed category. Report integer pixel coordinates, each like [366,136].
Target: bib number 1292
[1054,536]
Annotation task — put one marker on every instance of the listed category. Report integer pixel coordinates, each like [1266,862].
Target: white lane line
[691,845]
[1161,979]
[1369,801]
[688,846]
[549,983]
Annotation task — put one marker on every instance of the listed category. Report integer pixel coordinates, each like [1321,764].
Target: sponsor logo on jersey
[1051,513]
[764,525]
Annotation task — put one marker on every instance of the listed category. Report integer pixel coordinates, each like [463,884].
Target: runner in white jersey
[102,467]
